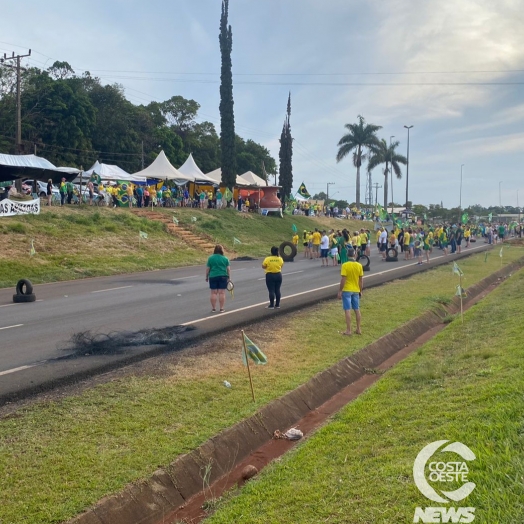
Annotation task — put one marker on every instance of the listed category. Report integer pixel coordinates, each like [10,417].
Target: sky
[453,69]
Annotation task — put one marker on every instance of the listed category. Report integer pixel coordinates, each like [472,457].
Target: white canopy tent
[112,173]
[216,175]
[190,169]
[32,166]
[162,169]
[254,180]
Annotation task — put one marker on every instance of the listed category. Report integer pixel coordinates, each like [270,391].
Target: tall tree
[285,155]
[383,153]
[360,136]
[227,115]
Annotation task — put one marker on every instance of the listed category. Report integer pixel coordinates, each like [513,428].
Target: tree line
[75,120]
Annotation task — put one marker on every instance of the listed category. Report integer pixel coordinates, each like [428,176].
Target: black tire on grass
[24,287]
[287,257]
[18,299]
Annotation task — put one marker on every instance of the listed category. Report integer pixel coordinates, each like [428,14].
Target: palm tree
[360,136]
[384,154]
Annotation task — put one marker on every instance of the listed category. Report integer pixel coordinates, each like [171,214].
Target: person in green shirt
[218,274]
[69,189]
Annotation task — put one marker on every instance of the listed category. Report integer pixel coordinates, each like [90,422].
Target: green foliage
[286,155]
[227,115]
[382,153]
[360,137]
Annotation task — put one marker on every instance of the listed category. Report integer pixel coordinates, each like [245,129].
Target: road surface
[33,336]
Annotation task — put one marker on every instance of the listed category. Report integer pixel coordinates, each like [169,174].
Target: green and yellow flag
[32,252]
[253,352]
[142,234]
[457,270]
[302,191]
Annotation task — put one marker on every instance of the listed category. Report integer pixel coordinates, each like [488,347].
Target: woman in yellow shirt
[273,267]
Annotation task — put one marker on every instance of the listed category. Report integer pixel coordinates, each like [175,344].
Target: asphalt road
[33,336]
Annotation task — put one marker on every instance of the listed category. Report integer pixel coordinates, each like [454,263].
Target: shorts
[459,242]
[383,248]
[427,248]
[218,282]
[324,253]
[316,247]
[306,244]
[350,300]
[418,252]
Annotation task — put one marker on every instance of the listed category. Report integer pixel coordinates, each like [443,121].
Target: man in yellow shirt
[407,239]
[350,290]
[273,268]
[316,243]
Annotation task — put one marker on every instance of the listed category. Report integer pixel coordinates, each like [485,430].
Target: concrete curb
[148,501]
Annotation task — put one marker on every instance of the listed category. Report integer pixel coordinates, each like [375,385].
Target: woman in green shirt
[218,273]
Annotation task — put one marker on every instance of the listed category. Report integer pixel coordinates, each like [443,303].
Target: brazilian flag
[253,352]
[302,191]
[95,178]
[465,218]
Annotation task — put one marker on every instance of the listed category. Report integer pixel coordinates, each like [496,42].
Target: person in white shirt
[383,241]
[324,249]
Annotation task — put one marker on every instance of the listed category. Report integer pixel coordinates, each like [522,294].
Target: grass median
[73,242]
[59,457]
[464,386]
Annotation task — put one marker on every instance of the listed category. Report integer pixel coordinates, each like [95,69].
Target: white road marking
[9,327]
[184,278]
[305,292]
[9,305]
[14,370]
[111,289]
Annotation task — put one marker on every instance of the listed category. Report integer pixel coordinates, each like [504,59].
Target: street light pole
[500,199]
[518,207]
[460,194]
[391,171]
[407,169]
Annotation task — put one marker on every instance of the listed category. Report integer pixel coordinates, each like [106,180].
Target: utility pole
[377,187]
[18,183]
[407,169]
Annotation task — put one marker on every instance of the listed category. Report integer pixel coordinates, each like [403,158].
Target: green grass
[465,385]
[84,242]
[59,457]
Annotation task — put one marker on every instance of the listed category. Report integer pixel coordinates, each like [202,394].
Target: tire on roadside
[364,261]
[392,255]
[24,287]
[287,257]
[19,299]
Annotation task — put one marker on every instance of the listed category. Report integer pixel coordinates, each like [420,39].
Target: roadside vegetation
[73,242]
[61,456]
[465,386]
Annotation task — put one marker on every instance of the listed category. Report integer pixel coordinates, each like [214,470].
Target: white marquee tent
[162,169]
[216,175]
[112,173]
[190,169]
[254,180]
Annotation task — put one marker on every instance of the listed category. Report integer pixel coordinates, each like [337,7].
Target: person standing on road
[273,267]
[316,238]
[218,274]
[324,249]
[350,290]
[383,241]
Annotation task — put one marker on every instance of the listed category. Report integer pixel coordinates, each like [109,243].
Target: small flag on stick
[142,234]
[486,257]
[193,219]
[457,270]
[294,228]
[175,221]
[461,292]
[501,252]
[236,241]
[251,352]
[32,252]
